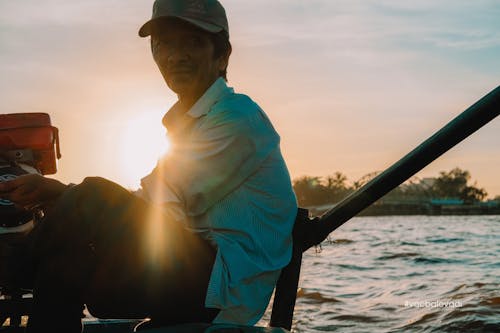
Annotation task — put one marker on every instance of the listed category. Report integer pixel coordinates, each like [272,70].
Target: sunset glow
[141,143]
[351,86]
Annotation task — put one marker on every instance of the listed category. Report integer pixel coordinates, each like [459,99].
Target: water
[403,274]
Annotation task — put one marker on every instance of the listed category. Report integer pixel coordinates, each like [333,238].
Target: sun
[143,142]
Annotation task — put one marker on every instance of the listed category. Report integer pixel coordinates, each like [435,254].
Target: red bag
[30,138]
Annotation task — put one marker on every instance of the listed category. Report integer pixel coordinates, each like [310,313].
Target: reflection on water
[403,274]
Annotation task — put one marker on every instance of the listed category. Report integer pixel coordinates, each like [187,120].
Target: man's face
[185,56]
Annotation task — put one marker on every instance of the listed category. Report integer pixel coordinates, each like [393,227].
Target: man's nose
[177,52]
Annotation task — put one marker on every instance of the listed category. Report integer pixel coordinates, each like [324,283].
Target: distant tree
[337,186]
[454,184]
[474,194]
[310,191]
[365,179]
[315,191]
[411,190]
[337,180]
[416,188]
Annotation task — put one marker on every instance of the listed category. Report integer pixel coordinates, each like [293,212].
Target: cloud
[70,13]
[455,24]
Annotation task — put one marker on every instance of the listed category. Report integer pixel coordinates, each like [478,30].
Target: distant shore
[419,208]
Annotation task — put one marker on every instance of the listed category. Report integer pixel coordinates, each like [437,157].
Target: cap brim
[147,28]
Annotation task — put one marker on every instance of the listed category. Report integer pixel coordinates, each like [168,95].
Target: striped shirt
[225,178]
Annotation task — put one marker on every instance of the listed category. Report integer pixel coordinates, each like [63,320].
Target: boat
[307,232]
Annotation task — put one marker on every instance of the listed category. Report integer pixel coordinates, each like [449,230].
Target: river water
[403,274]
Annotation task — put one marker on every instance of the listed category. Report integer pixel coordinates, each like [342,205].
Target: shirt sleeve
[222,152]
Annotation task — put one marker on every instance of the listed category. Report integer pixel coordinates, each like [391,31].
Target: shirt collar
[212,95]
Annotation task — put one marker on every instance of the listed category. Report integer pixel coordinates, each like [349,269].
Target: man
[205,237]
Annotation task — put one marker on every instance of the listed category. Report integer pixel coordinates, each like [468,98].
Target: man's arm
[32,190]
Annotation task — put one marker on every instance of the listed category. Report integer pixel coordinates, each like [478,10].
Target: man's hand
[30,191]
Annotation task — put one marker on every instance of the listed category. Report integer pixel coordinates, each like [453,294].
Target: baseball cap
[208,15]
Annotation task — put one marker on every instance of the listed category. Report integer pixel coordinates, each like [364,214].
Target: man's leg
[103,246]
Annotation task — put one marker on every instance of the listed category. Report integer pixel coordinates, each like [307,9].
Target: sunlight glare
[143,141]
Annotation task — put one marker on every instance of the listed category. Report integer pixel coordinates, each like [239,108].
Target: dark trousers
[102,246]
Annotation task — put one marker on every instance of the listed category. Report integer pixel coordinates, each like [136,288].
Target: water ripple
[430,260]
[315,296]
[398,255]
[444,240]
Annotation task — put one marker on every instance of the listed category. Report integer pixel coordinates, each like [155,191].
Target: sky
[351,86]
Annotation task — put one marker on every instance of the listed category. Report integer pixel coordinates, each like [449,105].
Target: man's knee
[82,203]
[97,189]
[95,184]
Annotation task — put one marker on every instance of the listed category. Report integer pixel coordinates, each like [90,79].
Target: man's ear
[222,63]
[224,59]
